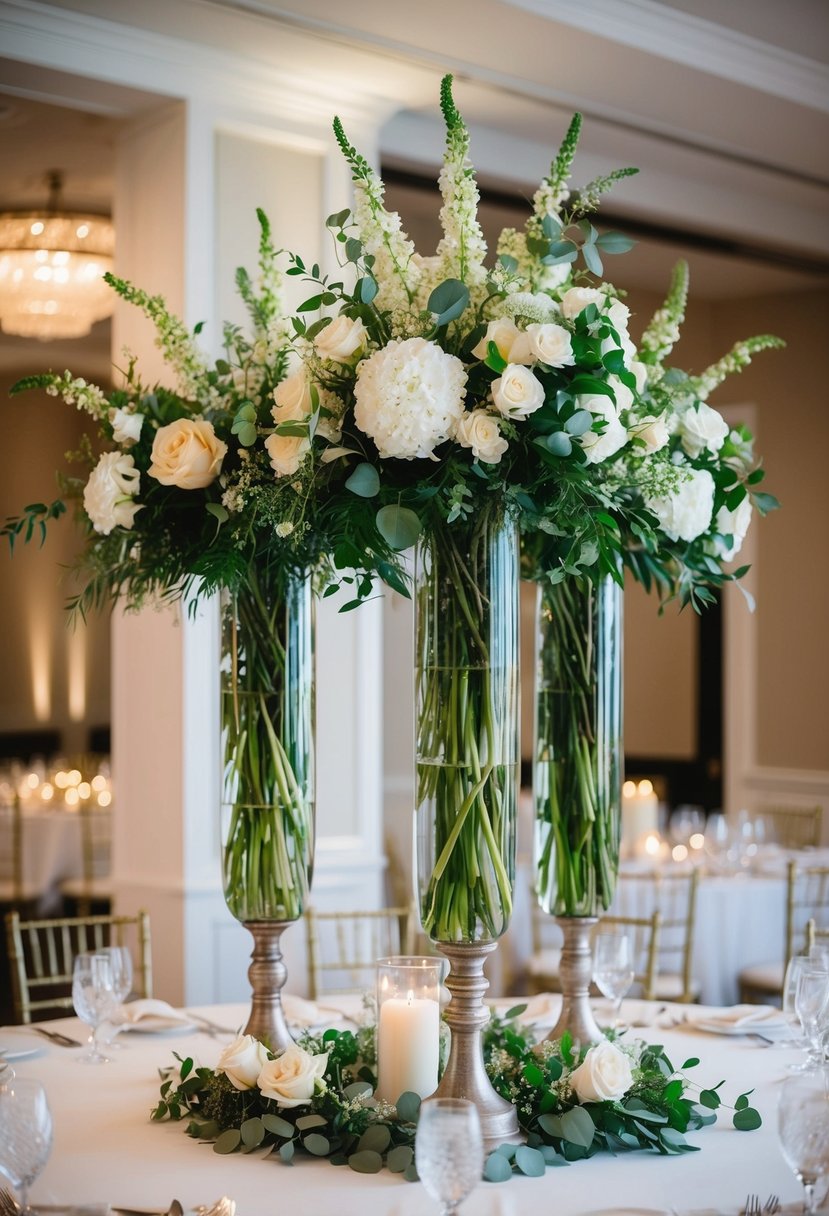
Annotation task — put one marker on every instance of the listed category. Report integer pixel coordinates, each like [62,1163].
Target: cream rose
[577,299]
[479,431]
[187,454]
[652,431]
[549,344]
[292,398]
[639,371]
[604,1074]
[686,514]
[291,1079]
[624,395]
[505,334]
[287,453]
[702,428]
[341,340]
[517,392]
[598,448]
[734,524]
[242,1061]
[109,492]
[126,425]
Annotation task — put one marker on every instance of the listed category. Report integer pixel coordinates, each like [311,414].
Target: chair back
[807,898]
[42,954]
[673,894]
[96,837]
[343,947]
[644,932]
[816,935]
[792,827]
[11,851]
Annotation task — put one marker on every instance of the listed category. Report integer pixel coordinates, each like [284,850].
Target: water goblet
[25,1134]
[449,1150]
[803,1128]
[810,1000]
[121,962]
[613,968]
[93,995]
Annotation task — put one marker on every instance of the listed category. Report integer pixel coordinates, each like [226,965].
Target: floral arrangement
[317,1096]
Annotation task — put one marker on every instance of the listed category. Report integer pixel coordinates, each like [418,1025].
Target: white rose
[126,425]
[598,448]
[701,428]
[517,392]
[409,398]
[242,1061]
[652,431]
[686,514]
[549,344]
[290,1079]
[108,494]
[639,371]
[734,524]
[479,431]
[292,398]
[618,314]
[623,395]
[604,1074]
[287,452]
[504,333]
[187,454]
[577,299]
[341,340]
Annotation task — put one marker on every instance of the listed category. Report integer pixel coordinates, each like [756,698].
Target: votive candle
[408,1026]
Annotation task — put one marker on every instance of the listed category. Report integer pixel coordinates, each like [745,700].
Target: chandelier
[52,264]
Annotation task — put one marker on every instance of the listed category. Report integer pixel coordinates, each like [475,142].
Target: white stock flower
[505,334]
[109,492]
[287,452]
[187,454]
[479,431]
[734,524]
[702,428]
[604,1074]
[686,514]
[409,398]
[341,340]
[517,392]
[652,431]
[576,299]
[548,344]
[242,1061]
[598,448]
[126,425]
[290,1079]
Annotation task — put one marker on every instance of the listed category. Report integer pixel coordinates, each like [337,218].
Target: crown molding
[649,26]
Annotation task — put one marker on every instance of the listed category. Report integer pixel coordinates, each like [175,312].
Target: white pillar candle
[408,1046]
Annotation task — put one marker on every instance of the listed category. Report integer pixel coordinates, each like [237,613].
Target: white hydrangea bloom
[108,496]
[409,398]
[686,514]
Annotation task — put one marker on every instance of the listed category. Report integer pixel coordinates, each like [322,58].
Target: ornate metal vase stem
[575,971]
[267,974]
[465,1075]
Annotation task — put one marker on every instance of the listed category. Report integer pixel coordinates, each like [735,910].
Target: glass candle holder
[408,1026]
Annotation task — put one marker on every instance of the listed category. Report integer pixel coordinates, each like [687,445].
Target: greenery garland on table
[317,1097]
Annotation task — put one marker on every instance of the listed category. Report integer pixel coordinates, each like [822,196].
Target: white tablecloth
[52,851]
[107,1150]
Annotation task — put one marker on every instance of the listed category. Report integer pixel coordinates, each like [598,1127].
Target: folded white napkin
[304,1013]
[745,1015]
[148,1011]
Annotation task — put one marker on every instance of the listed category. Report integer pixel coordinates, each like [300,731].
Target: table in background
[107,1150]
[52,852]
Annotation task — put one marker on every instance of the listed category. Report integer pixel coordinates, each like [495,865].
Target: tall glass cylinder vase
[577,772]
[267,708]
[466,672]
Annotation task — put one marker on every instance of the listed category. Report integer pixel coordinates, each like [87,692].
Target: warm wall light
[52,264]
[76,671]
[40,662]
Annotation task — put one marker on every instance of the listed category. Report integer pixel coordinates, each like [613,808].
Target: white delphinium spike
[737,358]
[662,332]
[172,337]
[462,248]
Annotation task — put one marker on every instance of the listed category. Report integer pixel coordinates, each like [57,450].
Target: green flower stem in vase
[267,700]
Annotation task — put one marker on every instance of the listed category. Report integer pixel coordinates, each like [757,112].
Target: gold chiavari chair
[42,954]
[792,827]
[14,890]
[673,894]
[807,897]
[343,947]
[816,935]
[644,932]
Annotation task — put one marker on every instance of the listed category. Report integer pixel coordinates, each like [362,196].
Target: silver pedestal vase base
[575,972]
[267,974]
[466,1015]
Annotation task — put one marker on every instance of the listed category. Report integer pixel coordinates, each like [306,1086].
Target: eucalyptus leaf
[229,1141]
[364,481]
[399,526]
[579,423]
[366,1162]
[507,1150]
[306,1122]
[614,242]
[448,300]
[400,1158]
[286,1152]
[560,443]
[497,1168]
[578,1127]
[253,1132]
[278,1126]
[408,1107]
[530,1161]
[357,1089]
[747,1120]
[317,1144]
[366,289]
[375,1138]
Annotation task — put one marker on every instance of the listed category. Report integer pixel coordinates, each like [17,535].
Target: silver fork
[772,1205]
[753,1207]
[8,1204]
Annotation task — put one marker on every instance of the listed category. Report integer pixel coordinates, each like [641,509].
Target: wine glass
[449,1150]
[797,963]
[93,995]
[25,1134]
[613,968]
[810,999]
[121,962]
[803,1128]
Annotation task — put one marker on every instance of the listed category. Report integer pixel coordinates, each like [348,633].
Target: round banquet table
[106,1150]
[52,852]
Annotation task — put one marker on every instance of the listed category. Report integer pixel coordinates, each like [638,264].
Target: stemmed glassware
[121,962]
[94,997]
[810,1002]
[25,1134]
[613,968]
[449,1150]
[803,1128]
